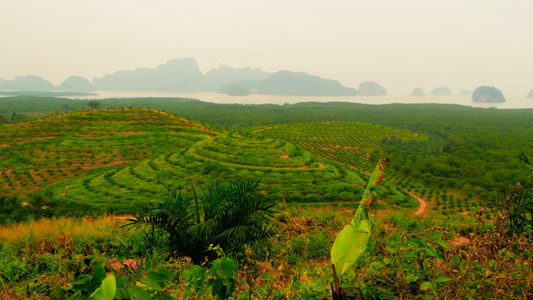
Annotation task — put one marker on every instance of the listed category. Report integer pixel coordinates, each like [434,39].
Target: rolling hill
[111,160]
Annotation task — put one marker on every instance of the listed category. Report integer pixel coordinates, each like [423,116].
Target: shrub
[318,246]
[516,210]
[229,214]
[312,198]
[295,198]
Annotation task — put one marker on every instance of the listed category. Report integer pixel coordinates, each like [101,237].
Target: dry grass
[52,228]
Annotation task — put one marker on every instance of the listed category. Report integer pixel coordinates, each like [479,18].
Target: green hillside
[354,144]
[36,154]
[111,160]
[462,156]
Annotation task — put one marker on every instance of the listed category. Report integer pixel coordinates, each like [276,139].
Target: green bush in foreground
[230,215]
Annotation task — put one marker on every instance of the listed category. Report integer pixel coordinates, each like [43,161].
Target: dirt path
[422,207]
[124,217]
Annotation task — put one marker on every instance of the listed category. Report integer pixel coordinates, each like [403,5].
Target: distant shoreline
[512,102]
[46,94]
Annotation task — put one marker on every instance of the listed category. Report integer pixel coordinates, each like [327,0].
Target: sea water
[512,102]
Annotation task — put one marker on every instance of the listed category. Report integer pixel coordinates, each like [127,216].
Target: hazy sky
[400,44]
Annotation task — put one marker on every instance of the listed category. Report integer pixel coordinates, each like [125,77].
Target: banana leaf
[352,241]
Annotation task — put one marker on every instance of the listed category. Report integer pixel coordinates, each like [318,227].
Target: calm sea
[511,102]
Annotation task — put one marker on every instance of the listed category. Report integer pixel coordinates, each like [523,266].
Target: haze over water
[399,44]
[511,102]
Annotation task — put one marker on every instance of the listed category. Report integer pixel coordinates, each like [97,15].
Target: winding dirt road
[422,206]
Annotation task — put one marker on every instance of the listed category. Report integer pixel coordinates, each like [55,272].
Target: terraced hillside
[357,145]
[36,154]
[113,159]
[353,144]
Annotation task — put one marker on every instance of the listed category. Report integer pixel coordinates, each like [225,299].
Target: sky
[399,44]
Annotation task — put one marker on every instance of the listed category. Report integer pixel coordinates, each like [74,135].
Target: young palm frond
[232,215]
[524,159]
[165,223]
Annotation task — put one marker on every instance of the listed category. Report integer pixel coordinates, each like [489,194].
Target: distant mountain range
[27,83]
[183,75]
[32,83]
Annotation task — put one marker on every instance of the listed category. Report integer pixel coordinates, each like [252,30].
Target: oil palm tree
[529,165]
[229,214]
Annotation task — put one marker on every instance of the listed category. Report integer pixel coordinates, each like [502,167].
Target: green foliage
[8,205]
[528,164]
[404,257]
[228,214]
[477,150]
[86,284]
[40,205]
[515,207]
[350,143]
[352,241]
[220,277]
[94,104]
[317,247]
[396,197]
[304,249]
[107,290]
[143,281]
[105,160]
[225,271]
[518,210]
[195,278]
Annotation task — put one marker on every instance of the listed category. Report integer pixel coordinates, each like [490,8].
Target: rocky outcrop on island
[76,84]
[27,83]
[371,88]
[291,83]
[530,94]
[441,91]
[250,86]
[178,75]
[487,94]
[418,92]
[237,91]
[183,75]
[300,83]
[466,93]
[224,76]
